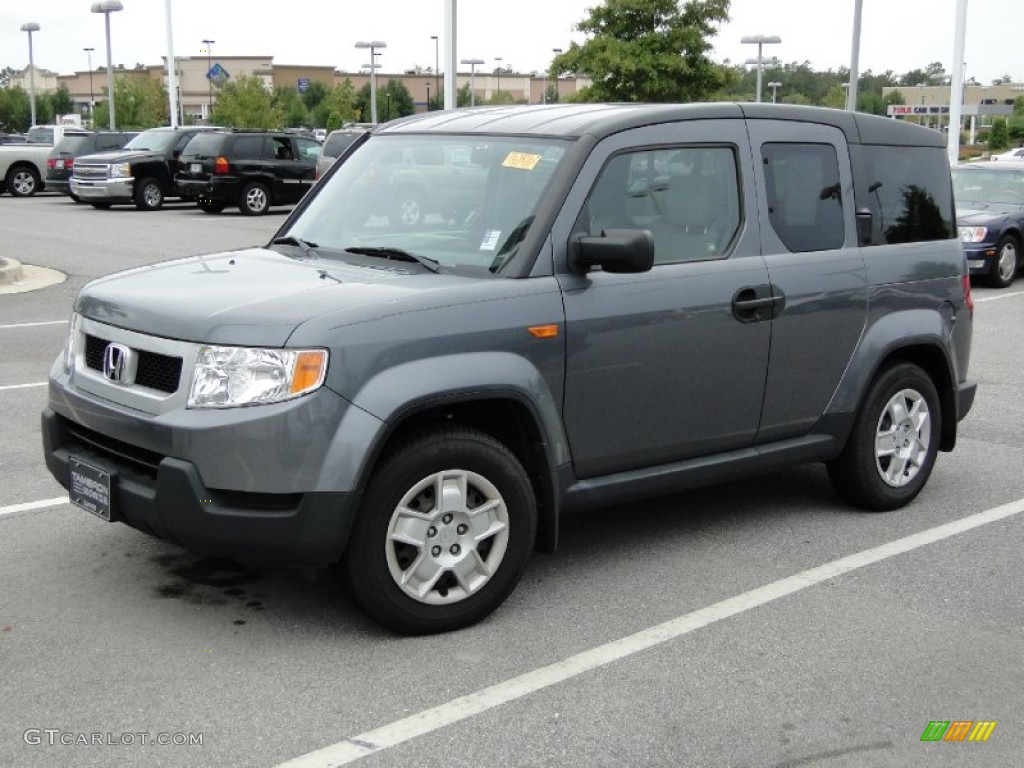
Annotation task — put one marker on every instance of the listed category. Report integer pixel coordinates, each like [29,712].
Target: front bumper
[981,258]
[103,190]
[170,501]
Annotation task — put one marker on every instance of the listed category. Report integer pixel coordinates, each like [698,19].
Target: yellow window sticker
[521,160]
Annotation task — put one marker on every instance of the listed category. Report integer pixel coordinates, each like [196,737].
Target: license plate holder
[195,168]
[91,488]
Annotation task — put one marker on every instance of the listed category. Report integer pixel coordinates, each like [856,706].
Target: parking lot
[760,623]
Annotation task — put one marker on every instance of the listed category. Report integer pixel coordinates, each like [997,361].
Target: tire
[891,450]
[149,195]
[407,208]
[75,198]
[255,199]
[101,206]
[412,586]
[209,206]
[1006,264]
[23,181]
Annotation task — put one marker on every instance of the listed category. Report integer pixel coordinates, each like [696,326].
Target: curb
[10,271]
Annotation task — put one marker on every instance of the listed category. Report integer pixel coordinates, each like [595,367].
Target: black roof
[571,121]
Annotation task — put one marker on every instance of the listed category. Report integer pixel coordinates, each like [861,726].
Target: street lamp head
[88,50]
[774,84]
[556,51]
[107,6]
[30,27]
[761,39]
[371,44]
[433,37]
[472,61]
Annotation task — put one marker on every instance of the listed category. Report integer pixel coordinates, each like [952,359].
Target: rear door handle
[757,303]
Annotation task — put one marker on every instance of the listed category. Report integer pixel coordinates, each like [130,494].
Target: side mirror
[615,250]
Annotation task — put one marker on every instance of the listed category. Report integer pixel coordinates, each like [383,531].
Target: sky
[897,35]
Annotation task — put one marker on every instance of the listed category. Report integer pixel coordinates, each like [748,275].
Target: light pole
[428,95]
[558,95]
[31,27]
[209,76]
[760,41]
[373,45]
[497,71]
[107,7]
[472,78]
[437,72]
[774,85]
[92,98]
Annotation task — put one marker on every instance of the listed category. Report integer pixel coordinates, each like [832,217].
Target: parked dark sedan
[61,162]
[990,216]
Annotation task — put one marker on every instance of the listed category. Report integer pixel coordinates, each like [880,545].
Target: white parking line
[23,386]
[30,505]
[1001,296]
[456,710]
[33,325]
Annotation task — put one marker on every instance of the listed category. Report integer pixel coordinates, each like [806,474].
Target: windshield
[156,140]
[461,201]
[980,185]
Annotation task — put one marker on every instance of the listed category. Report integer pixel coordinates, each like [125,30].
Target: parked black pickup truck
[142,173]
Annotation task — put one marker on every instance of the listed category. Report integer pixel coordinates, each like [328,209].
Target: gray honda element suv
[588,305]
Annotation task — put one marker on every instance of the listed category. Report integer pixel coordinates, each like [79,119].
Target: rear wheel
[444,533]
[149,195]
[23,181]
[891,450]
[255,199]
[101,206]
[1006,264]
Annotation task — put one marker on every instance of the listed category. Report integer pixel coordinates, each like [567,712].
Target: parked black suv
[142,173]
[61,162]
[250,169]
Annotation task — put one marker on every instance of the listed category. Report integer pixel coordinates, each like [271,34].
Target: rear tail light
[221,165]
[51,163]
[69,162]
[968,299]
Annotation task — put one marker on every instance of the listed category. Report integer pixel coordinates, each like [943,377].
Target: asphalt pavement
[760,623]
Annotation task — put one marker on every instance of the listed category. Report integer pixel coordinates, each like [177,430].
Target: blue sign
[217,72]
[303,84]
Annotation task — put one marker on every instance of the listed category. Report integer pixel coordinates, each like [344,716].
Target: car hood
[254,296]
[977,216]
[121,156]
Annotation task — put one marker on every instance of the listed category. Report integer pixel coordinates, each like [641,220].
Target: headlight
[225,377]
[973,234]
[121,171]
[69,344]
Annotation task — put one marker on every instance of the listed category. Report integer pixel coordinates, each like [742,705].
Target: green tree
[393,101]
[340,101]
[648,50]
[15,112]
[314,95]
[245,102]
[289,101]
[140,103]
[998,137]
[62,101]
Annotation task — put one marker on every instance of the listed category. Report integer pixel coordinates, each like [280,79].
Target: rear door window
[805,205]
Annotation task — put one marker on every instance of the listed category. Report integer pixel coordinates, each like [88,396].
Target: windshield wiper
[306,246]
[397,254]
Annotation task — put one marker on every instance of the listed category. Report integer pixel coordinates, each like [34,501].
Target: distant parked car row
[215,167]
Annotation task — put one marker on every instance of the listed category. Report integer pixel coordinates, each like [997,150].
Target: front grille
[124,455]
[90,172]
[155,371]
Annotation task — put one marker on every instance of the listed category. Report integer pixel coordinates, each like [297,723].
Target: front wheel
[149,195]
[444,533]
[891,450]
[1005,267]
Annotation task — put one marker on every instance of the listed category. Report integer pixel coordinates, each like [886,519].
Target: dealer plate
[89,488]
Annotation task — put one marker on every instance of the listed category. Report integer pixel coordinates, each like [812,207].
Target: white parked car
[1013,154]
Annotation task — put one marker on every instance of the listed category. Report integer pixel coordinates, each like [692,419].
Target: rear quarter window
[337,143]
[907,190]
[204,145]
